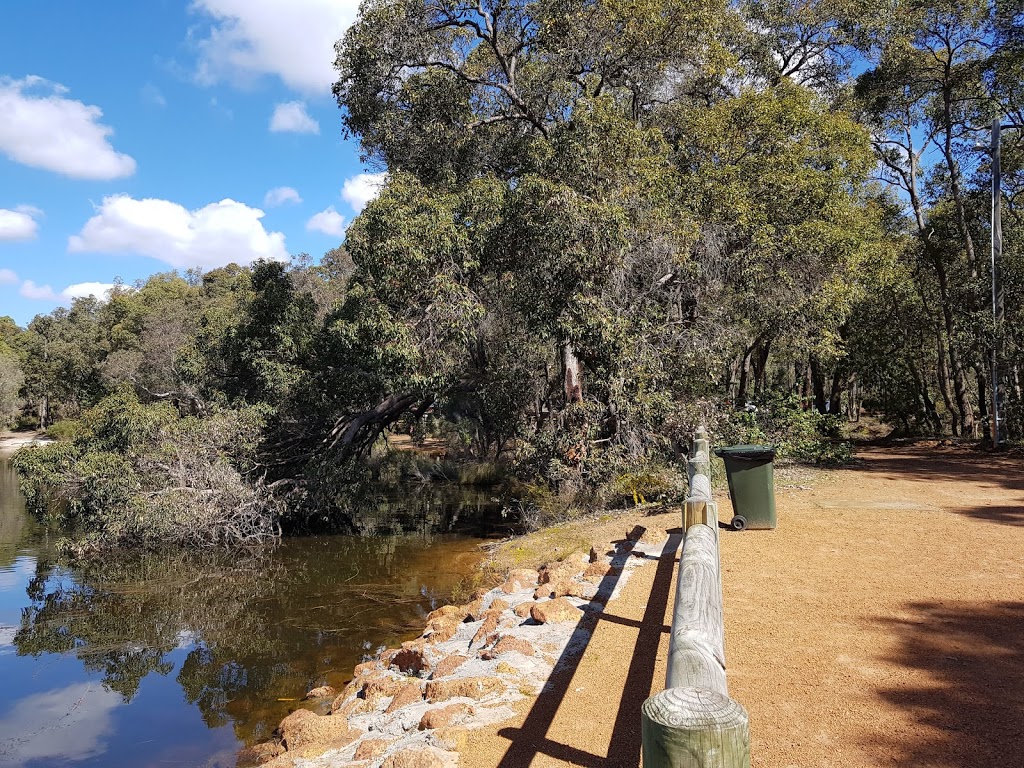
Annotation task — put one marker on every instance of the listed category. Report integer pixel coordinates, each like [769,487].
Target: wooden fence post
[694,728]
[693,723]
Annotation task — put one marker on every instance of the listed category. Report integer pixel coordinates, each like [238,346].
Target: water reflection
[217,645]
[67,724]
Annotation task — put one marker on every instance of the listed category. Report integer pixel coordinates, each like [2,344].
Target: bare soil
[881,624]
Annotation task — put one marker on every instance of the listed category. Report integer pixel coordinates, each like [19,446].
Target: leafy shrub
[801,434]
[140,475]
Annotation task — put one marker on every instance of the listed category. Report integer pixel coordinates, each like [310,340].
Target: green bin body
[751,484]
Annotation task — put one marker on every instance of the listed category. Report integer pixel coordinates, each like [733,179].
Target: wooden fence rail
[693,723]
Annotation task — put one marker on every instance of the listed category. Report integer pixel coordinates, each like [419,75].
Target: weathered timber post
[693,723]
[694,728]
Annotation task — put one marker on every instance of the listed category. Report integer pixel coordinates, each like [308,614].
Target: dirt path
[882,624]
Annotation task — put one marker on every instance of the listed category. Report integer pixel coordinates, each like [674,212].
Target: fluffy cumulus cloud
[293,41]
[77,291]
[361,189]
[212,236]
[281,195]
[292,117]
[328,221]
[43,128]
[19,224]
[8,276]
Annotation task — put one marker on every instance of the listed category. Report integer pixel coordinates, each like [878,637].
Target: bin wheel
[739,522]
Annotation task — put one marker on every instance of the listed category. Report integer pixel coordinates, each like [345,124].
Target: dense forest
[604,223]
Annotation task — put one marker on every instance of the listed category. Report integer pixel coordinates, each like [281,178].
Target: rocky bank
[413,706]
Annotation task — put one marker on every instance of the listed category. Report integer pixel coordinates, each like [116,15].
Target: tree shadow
[972,712]
[531,739]
[943,463]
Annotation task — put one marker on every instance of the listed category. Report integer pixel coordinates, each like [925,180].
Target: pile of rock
[411,706]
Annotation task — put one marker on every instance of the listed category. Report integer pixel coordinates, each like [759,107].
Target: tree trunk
[741,390]
[835,396]
[818,382]
[760,362]
[853,400]
[573,382]
[979,375]
[945,384]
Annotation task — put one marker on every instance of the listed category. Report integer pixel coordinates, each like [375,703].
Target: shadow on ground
[531,740]
[972,713]
[952,464]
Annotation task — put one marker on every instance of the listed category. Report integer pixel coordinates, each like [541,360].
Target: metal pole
[997,255]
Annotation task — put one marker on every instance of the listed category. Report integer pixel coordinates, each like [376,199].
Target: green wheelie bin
[751,484]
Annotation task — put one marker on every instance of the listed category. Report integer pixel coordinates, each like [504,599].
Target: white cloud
[42,129]
[280,196]
[328,221]
[19,224]
[62,725]
[212,236]
[292,117]
[77,291]
[293,40]
[8,276]
[81,290]
[361,189]
[42,292]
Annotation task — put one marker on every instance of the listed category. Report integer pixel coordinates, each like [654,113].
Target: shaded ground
[882,624]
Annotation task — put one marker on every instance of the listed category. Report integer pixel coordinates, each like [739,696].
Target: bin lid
[750,452]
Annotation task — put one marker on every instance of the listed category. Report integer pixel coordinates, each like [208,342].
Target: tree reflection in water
[242,632]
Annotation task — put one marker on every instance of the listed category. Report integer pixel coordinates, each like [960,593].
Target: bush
[799,434]
[140,475]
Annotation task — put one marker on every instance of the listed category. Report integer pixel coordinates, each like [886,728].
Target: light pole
[997,258]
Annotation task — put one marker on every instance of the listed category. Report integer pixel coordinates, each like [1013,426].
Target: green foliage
[798,432]
[142,476]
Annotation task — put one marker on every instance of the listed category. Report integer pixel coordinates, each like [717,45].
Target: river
[179,660]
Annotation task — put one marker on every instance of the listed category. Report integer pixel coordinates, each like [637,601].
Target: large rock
[422,757]
[258,754]
[562,570]
[560,588]
[346,707]
[521,578]
[410,659]
[459,612]
[442,717]
[491,619]
[447,665]
[597,571]
[380,686]
[464,687]
[555,611]
[371,749]
[523,610]
[442,629]
[307,733]
[506,644]
[320,692]
[410,693]
[497,604]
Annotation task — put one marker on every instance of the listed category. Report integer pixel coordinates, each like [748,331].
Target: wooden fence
[693,723]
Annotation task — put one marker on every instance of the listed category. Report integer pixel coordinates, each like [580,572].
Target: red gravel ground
[882,624]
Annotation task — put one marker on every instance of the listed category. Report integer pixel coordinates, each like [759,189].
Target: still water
[175,660]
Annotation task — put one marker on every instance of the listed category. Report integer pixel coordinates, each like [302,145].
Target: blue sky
[139,137]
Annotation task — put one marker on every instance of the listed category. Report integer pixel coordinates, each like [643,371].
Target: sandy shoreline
[12,441]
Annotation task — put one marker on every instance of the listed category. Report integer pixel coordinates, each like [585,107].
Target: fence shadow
[531,739]
[974,706]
